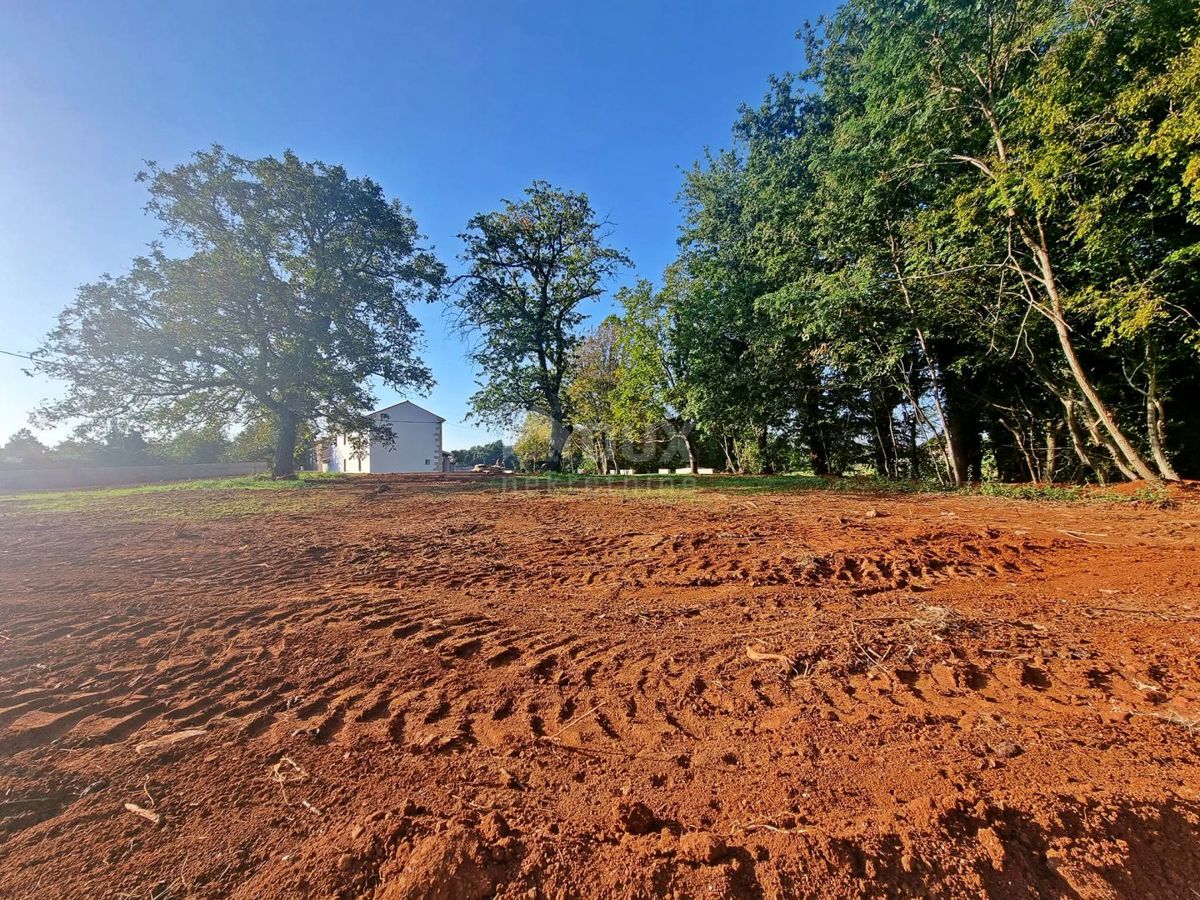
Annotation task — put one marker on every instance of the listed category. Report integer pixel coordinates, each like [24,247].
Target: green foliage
[966,228]
[530,267]
[195,445]
[533,444]
[256,441]
[193,501]
[486,454]
[657,342]
[209,444]
[295,293]
[592,392]
[22,449]
[113,447]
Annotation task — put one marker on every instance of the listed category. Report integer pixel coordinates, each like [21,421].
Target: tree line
[254,443]
[961,243]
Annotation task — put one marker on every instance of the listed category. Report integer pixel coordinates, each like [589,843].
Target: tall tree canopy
[530,267]
[294,294]
[592,391]
[964,226]
[22,449]
[656,344]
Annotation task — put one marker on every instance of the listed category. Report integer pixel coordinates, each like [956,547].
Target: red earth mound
[405,688]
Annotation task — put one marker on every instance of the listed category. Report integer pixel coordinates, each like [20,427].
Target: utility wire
[18,355]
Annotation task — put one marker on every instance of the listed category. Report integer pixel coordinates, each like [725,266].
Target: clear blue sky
[451,106]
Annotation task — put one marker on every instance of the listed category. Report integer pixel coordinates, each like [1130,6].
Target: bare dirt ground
[410,688]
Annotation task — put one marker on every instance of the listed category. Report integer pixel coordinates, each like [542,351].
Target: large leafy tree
[593,388]
[532,445]
[22,449]
[657,346]
[293,295]
[531,266]
[1024,96]
[735,386]
[964,225]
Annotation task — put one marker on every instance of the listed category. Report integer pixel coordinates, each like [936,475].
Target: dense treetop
[963,242]
[293,295]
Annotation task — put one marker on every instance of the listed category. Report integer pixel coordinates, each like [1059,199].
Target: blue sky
[451,106]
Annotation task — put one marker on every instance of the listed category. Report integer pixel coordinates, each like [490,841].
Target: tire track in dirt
[584,653]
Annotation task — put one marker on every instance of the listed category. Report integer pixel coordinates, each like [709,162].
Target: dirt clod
[701,847]
[993,846]
[448,866]
[633,817]
[493,826]
[1006,749]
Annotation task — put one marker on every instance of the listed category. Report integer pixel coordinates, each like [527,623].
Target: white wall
[417,448]
[342,457]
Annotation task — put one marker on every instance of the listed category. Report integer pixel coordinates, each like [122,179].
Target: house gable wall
[417,446]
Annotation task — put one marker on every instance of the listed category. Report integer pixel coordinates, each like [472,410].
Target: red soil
[405,688]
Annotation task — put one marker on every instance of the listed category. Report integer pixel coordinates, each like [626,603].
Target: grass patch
[248,495]
[215,497]
[698,488]
[678,486]
[1074,493]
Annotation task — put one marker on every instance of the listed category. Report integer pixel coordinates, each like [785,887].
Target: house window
[426,462]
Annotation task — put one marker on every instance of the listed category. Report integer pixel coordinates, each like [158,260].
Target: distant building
[417,446]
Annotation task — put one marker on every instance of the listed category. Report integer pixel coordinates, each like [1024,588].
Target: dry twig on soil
[148,814]
[1154,614]
[582,715]
[1192,726]
[786,665]
[295,773]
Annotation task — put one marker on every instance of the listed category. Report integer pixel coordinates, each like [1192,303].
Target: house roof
[407,411]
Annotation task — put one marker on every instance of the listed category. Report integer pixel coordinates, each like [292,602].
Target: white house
[417,447]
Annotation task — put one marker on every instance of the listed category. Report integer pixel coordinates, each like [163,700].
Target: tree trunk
[961,412]
[1101,438]
[761,437]
[559,435]
[729,464]
[1119,444]
[1156,419]
[1019,443]
[879,450]
[1050,468]
[959,450]
[919,417]
[1078,444]
[885,438]
[284,464]
[686,433]
[893,442]
[950,445]
[1125,456]
[818,454]
[599,453]
[1070,419]
[818,458]
[914,447]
